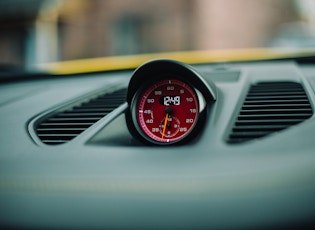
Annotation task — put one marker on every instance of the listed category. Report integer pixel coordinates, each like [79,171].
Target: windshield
[41,31]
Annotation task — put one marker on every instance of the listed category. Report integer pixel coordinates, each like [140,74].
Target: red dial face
[167,111]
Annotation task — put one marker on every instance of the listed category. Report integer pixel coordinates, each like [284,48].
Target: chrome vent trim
[270,107]
[62,126]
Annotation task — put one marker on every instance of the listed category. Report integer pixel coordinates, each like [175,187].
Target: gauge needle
[164,127]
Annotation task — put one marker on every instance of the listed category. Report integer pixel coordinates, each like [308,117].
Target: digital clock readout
[170,100]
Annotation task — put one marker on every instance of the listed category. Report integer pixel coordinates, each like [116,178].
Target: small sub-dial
[169,126]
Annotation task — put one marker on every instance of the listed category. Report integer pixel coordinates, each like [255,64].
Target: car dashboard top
[232,148]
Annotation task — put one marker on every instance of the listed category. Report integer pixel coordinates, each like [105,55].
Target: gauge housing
[150,76]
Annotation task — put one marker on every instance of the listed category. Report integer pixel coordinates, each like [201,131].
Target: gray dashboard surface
[102,179]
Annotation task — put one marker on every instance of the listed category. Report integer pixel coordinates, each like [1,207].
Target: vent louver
[270,107]
[63,126]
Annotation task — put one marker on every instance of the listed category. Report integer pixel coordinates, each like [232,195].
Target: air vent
[270,107]
[66,125]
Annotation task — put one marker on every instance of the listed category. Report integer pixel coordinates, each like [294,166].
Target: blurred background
[40,31]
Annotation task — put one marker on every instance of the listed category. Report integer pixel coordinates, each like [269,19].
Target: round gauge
[167,111]
[167,102]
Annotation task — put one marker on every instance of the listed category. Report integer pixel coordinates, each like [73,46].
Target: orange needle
[164,128]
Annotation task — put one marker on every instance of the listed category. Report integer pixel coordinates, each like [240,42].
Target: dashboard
[71,157]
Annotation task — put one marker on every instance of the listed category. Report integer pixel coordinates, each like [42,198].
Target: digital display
[170,100]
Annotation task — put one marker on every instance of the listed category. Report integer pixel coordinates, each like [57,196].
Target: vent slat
[75,114]
[90,110]
[255,94]
[273,116]
[60,130]
[276,106]
[106,100]
[268,108]
[63,137]
[65,125]
[99,106]
[277,102]
[291,97]
[272,111]
[258,127]
[277,90]
[73,119]
[54,142]
[56,135]
[269,121]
